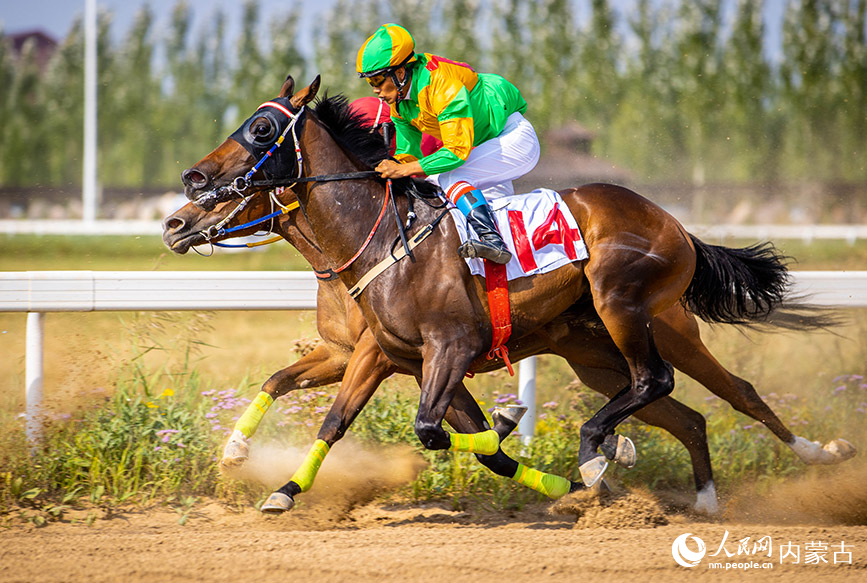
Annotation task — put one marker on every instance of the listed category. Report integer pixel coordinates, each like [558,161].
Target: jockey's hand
[392,169]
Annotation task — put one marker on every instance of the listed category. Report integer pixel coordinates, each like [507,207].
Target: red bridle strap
[372,231]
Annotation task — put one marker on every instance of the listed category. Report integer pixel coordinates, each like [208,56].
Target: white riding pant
[493,165]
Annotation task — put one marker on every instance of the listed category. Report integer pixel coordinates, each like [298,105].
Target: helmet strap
[400,84]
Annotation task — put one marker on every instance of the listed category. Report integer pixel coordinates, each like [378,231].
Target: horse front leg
[324,365]
[464,415]
[366,370]
[445,362]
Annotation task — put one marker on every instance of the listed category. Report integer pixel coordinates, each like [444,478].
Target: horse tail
[748,286]
[742,286]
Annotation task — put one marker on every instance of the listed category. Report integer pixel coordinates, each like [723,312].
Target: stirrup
[473,248]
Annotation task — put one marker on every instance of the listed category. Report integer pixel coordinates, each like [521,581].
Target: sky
[57,16]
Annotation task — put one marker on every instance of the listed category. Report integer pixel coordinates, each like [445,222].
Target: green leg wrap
[305,474]
[251,418]
[548,484]
[486,442]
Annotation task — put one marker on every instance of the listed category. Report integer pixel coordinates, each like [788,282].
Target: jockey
[487,143]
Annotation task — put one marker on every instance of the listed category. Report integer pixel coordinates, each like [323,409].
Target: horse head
[222,186]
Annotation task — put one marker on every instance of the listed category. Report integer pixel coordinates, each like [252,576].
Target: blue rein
[253,223]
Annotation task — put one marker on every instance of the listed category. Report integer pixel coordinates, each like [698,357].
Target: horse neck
[339,213]
[296,230]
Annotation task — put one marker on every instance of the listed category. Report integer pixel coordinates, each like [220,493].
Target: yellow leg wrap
[548,484]
[486,442]
[251,418]
[305,474]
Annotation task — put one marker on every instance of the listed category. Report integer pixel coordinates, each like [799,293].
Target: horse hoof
[706,500]
[620,450]
[841,449]
[277,503]
[592,471]
[813,453]
[236,452]
[506,419]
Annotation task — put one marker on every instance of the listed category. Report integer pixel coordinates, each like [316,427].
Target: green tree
[459,37]
[285,58]
[23,131]
[640,136]
[852,112]
[811,91]
[600,84]
[251,77]
[751,126]
[550,88]
[130,152]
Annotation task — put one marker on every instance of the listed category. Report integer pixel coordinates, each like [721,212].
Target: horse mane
[349,129]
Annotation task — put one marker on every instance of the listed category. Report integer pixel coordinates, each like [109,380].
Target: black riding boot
[490,244]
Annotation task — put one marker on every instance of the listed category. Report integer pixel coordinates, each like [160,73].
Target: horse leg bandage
[548,484]
[306,473]
[485,443]
[251,418]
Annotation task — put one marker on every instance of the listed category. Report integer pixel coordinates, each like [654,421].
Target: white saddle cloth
[538,229]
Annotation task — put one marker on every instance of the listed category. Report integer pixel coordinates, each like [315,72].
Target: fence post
[527,396]
[33,376]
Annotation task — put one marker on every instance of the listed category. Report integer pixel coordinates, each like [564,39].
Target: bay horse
[638,238]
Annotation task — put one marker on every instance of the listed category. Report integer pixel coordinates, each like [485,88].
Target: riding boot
[490,244]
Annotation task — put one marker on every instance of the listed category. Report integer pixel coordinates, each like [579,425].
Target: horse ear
[306,95]
[288,87]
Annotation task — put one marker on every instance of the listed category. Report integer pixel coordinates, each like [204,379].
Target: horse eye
[262,130]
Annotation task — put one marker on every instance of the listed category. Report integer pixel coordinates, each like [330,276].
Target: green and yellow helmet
[389,48]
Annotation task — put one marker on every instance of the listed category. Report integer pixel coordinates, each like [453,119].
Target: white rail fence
[38,292]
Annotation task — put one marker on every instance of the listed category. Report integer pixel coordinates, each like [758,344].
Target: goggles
[376,80]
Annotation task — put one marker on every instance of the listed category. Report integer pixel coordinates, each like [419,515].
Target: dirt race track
[625,538]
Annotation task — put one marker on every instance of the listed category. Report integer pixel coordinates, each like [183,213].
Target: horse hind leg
[680,342]
[629,286]
[683,423]
[652,379]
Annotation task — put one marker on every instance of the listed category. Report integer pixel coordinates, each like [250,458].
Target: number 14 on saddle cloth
[538,229]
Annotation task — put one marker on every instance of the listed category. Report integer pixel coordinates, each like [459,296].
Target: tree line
[673,90]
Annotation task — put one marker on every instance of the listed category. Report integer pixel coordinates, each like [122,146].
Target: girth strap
[497,285]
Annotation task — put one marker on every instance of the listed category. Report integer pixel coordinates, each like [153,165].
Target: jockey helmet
[389,48]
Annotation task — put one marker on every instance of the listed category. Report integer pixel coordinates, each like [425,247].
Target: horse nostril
[194,178]
[172,224]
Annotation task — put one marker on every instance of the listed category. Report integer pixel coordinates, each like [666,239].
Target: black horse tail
[747,286]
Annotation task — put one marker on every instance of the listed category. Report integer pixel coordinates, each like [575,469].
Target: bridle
[240,185]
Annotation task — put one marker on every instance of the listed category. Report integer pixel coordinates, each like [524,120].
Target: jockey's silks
[451,102]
